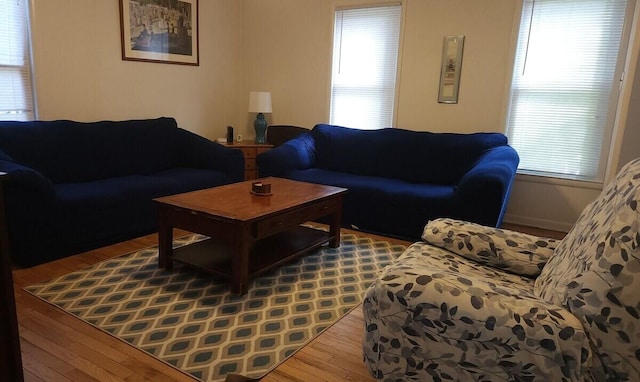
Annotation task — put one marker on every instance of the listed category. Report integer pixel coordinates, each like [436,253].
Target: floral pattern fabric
[434,315]
[595,274]
[463,305]
[511,251]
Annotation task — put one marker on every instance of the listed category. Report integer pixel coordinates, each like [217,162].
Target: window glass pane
[565,71]
[365,55]
[16,94]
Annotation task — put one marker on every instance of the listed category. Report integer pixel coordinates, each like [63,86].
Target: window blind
[365,55]
[16,94]
[564,87]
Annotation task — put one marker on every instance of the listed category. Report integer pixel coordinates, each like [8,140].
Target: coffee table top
[235,201]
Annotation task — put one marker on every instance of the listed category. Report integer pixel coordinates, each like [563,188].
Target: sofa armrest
[487,185]
[511,251]
[199,152]
[228,160]
[25,179]
[295,154]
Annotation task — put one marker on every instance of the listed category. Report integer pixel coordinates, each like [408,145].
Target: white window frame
[373,94]
[17,92]
[607,119]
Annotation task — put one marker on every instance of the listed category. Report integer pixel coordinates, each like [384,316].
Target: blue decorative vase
[260,124]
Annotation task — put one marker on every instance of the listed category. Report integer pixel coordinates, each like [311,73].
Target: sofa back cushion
[414,156]
[595,273]
[70,151]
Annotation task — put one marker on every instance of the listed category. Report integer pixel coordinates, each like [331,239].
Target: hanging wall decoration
[450,71]
[163,31]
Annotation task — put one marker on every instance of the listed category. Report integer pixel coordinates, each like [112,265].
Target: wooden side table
[10,357]
[250,152]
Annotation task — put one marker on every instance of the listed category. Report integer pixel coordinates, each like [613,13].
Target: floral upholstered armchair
[475,303]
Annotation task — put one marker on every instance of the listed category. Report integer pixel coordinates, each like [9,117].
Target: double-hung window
[16,91]
[565,86]
[365,56]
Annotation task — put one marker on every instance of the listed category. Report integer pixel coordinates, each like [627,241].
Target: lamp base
[260,125]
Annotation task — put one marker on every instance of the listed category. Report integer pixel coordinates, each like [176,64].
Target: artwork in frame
[163,31]
[450,70]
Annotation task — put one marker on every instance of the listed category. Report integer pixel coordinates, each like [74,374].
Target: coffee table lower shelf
[214,256]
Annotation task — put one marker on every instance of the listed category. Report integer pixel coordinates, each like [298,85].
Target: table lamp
[260,102]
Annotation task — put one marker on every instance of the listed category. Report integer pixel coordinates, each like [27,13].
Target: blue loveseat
[400,179]
[75,186]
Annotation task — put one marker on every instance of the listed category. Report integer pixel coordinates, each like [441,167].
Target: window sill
[575,183]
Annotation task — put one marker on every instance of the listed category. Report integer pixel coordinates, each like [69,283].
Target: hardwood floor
[58,347]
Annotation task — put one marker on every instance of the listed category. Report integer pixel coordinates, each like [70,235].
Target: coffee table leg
[240,263]
[165,246]
[334,228]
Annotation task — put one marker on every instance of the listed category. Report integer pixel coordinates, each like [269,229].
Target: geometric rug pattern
[193,322]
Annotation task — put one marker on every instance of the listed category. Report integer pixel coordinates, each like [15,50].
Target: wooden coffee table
[249,233]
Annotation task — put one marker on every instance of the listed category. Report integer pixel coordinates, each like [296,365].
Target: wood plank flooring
[58,347]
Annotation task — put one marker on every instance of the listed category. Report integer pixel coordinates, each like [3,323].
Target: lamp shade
[260,102]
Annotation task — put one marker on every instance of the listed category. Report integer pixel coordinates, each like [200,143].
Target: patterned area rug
[192,321]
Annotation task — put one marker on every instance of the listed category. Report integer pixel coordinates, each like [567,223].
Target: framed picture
[450,71]
[163,31]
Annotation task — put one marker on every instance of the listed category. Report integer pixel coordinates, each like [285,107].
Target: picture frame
[452,49]
[163,31]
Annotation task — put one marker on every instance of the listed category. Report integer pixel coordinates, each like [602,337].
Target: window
[365,55]
[16,92]
[565,86]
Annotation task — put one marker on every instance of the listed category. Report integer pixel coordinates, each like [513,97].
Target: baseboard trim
[538,223]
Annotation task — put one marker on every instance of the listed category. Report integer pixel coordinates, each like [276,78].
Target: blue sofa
[400,179]
[75,186]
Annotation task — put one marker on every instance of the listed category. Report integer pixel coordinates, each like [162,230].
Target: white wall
[79,73]
[487,27]
[288,46]
[284,46]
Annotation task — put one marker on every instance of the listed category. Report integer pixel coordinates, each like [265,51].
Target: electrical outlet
[239,139]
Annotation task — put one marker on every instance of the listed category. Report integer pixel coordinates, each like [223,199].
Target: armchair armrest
[200,152]
[514,252]
[295,154]
[431,313]
[25,179]
[487,185]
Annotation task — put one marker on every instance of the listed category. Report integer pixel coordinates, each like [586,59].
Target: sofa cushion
[108,193]
[413,156]
[70,151]
[5,157]
[393,207]
[367,185]
[510,251]
[185,179]
[97,195]
[25,178]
